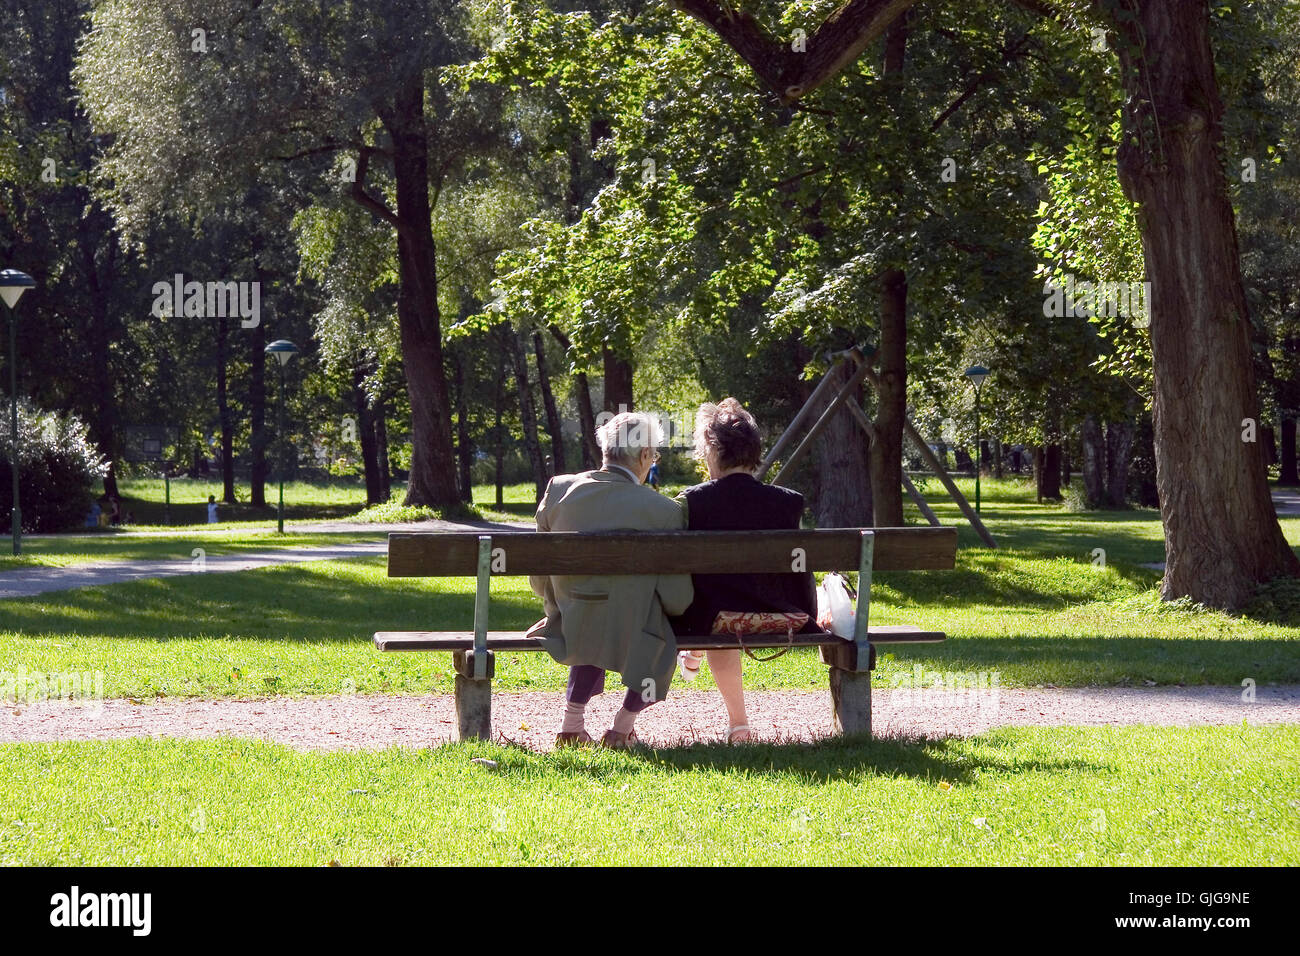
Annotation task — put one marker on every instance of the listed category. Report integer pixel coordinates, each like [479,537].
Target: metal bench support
[851,664]
[475,669]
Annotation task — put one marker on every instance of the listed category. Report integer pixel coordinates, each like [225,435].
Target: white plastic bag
[835,611]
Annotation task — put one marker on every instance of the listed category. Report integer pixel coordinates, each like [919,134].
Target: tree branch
[786,71]
[368,201]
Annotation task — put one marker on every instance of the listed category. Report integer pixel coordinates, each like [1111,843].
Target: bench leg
[851,701]
[850,687]
[473,699]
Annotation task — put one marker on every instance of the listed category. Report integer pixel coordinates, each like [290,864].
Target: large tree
[1222,535]
[233,86]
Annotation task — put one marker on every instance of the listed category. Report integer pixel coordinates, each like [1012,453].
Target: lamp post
[283,350]
[977,374]
[12,285]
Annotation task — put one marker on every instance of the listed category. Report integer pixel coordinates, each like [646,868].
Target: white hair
[624,436]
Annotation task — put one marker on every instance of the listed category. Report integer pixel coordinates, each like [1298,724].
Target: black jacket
[740,502]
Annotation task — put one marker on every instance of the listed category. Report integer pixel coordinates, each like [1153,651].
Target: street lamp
[283,350]
[977,374]
[12,285]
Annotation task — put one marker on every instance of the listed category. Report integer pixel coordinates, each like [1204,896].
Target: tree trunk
[258,435]
[1094,463]
[886,450]
[464,445]
[1065,466]
[104,420]
[997,458]
[1047,469]
[366,434]
[618,383]
[527,407]
[498,437]
[433,460]
[1222,536]
[1288,475]
[1119,446]
[223,416]
[380,415]
[586,413]
[843,467]
[553,424]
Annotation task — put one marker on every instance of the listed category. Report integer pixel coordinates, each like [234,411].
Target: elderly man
[612,622]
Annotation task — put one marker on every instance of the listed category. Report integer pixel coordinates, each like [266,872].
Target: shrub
[1074,498]
[58,466]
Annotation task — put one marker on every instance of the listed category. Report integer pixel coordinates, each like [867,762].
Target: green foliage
[57,464]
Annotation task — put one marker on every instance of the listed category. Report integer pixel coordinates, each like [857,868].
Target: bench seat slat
[517,641]
[452,554]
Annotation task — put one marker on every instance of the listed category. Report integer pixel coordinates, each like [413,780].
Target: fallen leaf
[944,785]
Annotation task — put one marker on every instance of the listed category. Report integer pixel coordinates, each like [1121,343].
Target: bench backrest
[456,554]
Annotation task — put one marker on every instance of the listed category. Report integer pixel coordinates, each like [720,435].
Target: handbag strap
[789,636]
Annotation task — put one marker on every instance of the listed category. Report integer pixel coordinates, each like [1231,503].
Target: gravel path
[26,582]
[349,722]
[40,580]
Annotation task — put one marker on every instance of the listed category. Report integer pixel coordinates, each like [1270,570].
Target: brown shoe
[616,741]
[576,739]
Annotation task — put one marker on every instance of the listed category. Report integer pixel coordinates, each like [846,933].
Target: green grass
[67,550]
[1023,796]
[334,500]
[1037,611]
[306,629]
[318,500]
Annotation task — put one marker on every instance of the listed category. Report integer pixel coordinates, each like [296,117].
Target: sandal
[688,664]
[616,741]
[739,734]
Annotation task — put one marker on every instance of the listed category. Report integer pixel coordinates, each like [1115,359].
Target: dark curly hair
[731,432]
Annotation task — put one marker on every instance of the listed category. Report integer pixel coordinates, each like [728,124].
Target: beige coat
[617,622]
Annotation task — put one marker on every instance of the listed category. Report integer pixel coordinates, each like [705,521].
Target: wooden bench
[464,554]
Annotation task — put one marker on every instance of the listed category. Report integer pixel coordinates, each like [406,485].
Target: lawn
[1023,796]
[67,550]
[1038,611]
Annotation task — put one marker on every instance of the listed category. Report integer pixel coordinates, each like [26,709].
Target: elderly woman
[728,442]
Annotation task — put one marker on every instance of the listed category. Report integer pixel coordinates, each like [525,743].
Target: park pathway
[26,582]
[531,719]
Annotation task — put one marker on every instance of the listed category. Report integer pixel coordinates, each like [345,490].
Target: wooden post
[850,679]
[473,696]
[851,701]
[926,510]
[786,436]
[930,459]
[475,669]
[851,663]
[821,423]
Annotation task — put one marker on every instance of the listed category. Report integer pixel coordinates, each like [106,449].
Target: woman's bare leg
[726,669]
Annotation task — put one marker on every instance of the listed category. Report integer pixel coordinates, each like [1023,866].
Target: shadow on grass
[283,603]
[148,512]
[823,761]
[1115,659]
